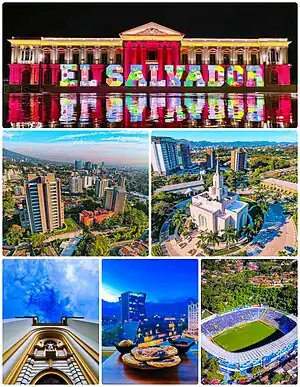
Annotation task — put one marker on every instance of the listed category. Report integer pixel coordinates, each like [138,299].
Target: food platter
[152,358]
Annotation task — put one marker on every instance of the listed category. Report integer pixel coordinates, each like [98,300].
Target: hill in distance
[10,155]
[202,144]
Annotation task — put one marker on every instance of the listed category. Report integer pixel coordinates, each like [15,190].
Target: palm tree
[213,238]
[178,220]
[248,231]
[229,235]
[258,221]
[263,206]
[202,239]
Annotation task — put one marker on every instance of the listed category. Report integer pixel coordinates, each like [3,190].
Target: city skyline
[119,276]
[231,135]
[49,289]
[112,147]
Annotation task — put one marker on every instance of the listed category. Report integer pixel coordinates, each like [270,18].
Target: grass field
[247,336]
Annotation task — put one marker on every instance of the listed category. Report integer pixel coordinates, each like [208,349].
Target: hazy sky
[112,147]
[231,135]
[162,279]
[51,288]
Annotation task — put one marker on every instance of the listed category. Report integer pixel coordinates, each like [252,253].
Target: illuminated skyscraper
[193,315]
[132,306]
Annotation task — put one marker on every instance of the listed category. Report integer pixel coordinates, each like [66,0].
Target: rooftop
[281,183]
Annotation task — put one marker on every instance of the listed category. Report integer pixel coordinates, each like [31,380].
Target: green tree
[229,235]
[213,239]
[15,235]
[249,231]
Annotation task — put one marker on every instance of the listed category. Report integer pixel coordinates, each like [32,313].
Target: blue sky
[231,135]
[51,288]
[162,279]
[112,147]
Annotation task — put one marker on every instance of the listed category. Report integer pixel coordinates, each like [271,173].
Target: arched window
[202,221]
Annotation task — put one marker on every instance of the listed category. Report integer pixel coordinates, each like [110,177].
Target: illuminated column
[134,54]
[169,55]
[126,59]
[160,62]
[68,55]
[233,55]
[176,54]
[112,55]
[205,55]
[97,55]
[143,60]
[12,58]
[219,52]
[246,55]
[83,55]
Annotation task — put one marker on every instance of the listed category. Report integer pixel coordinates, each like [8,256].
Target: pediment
[151,29]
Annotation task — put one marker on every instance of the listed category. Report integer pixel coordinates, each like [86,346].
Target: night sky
[202,20]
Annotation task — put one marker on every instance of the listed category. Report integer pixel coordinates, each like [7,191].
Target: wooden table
[114,371]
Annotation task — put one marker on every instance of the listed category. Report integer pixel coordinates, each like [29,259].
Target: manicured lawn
[247,336]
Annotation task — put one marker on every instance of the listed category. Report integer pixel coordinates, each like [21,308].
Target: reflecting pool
[165,110]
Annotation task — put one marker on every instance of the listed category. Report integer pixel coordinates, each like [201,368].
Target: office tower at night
[132,306]
[45,209]
[184,154]
[238,160]
[100,186]
[75,184]
[115,198]
[164,155]
[193,313]
[211,160]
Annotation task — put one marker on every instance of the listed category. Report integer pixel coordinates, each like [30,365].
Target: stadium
[249,336]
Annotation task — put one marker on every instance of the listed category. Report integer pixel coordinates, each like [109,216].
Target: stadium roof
[243,357]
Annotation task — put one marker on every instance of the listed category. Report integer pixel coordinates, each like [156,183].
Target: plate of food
[181,345]
[152,358]
[125,346]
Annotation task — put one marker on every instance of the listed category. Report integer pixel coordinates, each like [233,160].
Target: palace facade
[38,61]
[50,353]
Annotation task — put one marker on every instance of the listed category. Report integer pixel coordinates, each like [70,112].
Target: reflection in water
[151,110]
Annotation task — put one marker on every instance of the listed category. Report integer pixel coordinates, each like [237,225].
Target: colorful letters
[68,75]
[114,74]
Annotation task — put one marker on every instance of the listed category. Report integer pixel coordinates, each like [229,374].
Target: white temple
[217,208]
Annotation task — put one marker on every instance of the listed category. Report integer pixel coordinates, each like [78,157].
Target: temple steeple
[218,189]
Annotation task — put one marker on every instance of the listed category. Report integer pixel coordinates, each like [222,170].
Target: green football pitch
[247,336]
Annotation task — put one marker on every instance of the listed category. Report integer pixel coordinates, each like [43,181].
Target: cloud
[51,288]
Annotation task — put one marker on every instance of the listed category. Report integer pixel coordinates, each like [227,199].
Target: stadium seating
[279,321]
[229,320]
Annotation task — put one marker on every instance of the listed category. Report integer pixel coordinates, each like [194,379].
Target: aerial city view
[49,322]
[149,318]
[224,193]
[70,193]
[152,68]
[248,321]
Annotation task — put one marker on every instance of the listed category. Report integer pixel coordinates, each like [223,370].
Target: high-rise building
[133,306]
[122,181]
[164,155]
[184,154]
[211,160]
[87,181]
[239,160]
[88,165]
[75,184]
[43,203]
[94,166]
[100,186]
[193,315]
[78,164]
[115,198]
